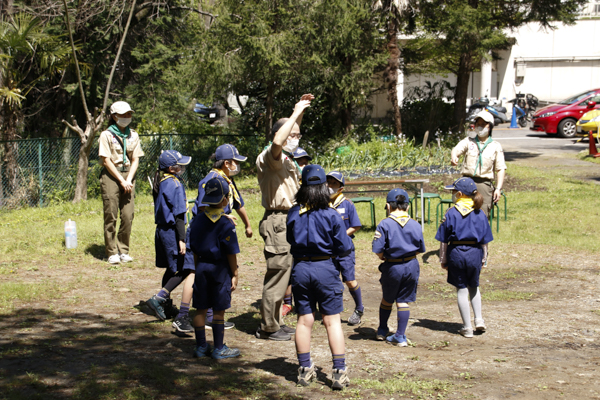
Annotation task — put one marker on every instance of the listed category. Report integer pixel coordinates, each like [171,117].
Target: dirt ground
[542,313]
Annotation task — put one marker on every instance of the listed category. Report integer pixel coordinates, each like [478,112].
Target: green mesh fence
[37,172]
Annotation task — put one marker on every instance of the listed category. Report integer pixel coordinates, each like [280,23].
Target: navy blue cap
[170,158]
[337,176]
[214,191]
[300,152]
[464,185]
[394,193]
[228,152]
[312,171]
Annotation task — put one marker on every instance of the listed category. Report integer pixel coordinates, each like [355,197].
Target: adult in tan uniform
[279,180]
[483,158]
[117,180]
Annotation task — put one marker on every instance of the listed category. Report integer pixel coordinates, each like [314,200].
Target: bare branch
[74,127]
[213,16]
[85,107]
[114,67]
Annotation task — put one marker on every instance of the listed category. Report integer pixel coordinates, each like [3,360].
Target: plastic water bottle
[70,234]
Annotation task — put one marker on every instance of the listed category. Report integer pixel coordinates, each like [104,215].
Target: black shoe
[171,310]
[228,325]
[182,325]
[287,329]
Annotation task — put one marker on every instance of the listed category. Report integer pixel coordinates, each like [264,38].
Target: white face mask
[233,172]
[291,145]
[333,192]
[482,131]
[123,122]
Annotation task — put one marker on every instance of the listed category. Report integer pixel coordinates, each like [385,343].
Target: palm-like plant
[28,54]
[395,14]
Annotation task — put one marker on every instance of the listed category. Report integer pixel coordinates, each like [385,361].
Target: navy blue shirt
[472,227]
[212,241]
[317,233]
[171,201]
[395,241]
[213,174]
[347,211]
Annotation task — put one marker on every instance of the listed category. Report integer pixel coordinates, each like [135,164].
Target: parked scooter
[524,107]
[483,103]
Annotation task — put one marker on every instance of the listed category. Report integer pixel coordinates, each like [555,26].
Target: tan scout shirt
[279,180]
[492,158]
[110,147]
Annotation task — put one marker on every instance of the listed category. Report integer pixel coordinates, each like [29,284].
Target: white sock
[462,297]
[476,301]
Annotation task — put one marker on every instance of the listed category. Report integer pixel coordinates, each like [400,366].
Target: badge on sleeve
[377,235]
[227,238]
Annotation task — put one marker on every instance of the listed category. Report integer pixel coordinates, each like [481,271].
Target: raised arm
[282,134]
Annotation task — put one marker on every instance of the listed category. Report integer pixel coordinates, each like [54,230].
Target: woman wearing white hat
[483,158]
[117,180]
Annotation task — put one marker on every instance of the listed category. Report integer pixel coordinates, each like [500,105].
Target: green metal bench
[369,200]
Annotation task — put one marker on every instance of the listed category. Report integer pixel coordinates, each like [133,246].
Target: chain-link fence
[37,172]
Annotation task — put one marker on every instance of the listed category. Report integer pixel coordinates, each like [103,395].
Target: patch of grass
[505,295]
[11,291]
[423,388]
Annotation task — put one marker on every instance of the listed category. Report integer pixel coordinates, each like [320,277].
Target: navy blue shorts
[212,287]
[399,281]
[317,282]
[167,251]
[346,266]
[464,265]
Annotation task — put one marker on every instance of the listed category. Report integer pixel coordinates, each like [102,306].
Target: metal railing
[36,172]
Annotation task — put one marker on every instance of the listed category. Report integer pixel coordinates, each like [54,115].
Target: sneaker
[203,351]
[480,325]
[466,332]
[156,304]
[171,310]
[228,325]
[281,335]
[183,325]
[126,258]
[114,259]
[287,329]
[306,374]
[381,334]
[339,379]
[355,318]
[286,309]
[397,340]
[225,352]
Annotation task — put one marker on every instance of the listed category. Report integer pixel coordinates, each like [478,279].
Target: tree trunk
[462,87]
[269,111]
[6,7]
[390,73]
[10,118]
[83,164]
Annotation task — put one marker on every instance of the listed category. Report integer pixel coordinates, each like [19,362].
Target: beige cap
[486,116]
[120,107]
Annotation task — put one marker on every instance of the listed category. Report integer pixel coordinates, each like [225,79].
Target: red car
[561,117]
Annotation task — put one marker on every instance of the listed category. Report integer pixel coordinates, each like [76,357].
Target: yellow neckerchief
[401,217]
[167,176]
[214,213]
[232,188]
[303,208]
[337,201]
[464,205]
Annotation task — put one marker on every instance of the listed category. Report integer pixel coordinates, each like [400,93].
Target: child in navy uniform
[336,182]
[301,157]
[170,206]
[398,240]
[316,233]
[464,235]
[227,165]
[213,240]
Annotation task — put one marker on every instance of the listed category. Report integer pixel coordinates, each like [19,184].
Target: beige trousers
[116,201]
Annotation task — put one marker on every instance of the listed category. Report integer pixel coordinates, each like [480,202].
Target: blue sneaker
[397,340]
[156,305]
[381,334]
[203,351]
[225,352]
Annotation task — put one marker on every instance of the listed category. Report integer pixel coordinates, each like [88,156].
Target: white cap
[120,107]
[486,116]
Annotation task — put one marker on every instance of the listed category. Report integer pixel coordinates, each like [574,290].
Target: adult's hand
[497,194]
[181,247]
[126,185]
[454,160]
